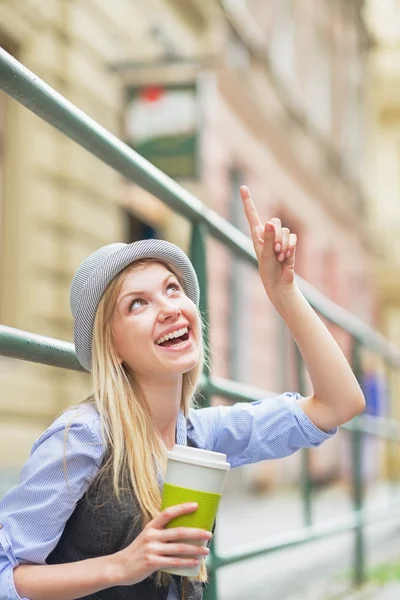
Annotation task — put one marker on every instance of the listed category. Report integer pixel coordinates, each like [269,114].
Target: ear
[118,358]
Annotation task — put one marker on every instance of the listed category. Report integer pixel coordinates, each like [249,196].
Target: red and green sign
[161,123]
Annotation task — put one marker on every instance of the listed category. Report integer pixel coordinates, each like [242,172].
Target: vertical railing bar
[198,255]
[357,477]
[306,483]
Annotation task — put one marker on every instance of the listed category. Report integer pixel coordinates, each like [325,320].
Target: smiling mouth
[175,341]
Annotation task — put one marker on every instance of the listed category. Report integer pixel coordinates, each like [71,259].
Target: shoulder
[77,426]
[83,415]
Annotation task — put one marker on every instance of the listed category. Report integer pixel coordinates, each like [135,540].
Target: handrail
[15,343]
[304,535]
[25,87]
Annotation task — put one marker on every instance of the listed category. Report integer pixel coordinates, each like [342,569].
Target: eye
[134,301]
[174,285]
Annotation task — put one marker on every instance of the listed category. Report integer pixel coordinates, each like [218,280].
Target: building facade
[383,186]
[281,104]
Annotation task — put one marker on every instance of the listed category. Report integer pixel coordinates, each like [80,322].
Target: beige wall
[60,202]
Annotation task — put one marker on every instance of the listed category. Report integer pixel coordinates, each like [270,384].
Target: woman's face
[150,305]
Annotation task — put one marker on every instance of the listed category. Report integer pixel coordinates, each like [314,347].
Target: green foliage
[385,573]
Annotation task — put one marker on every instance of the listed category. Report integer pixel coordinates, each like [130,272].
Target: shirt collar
[181,430]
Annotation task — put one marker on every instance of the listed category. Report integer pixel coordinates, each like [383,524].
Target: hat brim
[102,273]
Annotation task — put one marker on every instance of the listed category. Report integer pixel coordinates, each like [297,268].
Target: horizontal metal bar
[373,425]
[133,65]
[304,535]
[236,391]
[239,392]
[15,343]
[34,94]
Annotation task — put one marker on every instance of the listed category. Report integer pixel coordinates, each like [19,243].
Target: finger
[172,512]
[278,233]
[256,226]
[268,249]
[292,245]
[183,533]
[285,233]
[185,549]
[172,561]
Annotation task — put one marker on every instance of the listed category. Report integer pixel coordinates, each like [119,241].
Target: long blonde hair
[135,450]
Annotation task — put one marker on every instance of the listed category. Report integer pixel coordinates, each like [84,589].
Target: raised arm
[337,397]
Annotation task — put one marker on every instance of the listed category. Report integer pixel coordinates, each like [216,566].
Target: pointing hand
[275,248]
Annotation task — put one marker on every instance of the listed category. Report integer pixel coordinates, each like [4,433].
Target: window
[237,52]
[320,82]
[283,40]
[353,116]
[2,151]
[3,106]
[137,229]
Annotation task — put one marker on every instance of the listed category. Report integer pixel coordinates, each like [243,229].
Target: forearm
[68,581]
[337,396]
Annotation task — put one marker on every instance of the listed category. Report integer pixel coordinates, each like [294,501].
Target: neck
[164,400]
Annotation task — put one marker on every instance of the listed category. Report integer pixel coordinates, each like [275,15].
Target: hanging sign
[161,123]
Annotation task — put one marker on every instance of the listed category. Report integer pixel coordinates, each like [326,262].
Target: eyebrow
[141,292]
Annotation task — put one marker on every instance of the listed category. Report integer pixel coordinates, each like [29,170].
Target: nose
[169,310]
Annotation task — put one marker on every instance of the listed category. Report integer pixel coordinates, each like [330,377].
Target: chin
[187,365]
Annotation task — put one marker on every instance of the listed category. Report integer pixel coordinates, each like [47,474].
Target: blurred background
[299,100]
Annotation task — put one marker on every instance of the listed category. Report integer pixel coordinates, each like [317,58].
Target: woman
[84,520]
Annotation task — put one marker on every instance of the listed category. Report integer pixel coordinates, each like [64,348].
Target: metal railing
[34,94]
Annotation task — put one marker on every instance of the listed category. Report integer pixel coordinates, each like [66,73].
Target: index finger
[172,512]
[250,210]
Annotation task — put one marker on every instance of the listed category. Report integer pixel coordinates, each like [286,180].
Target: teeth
[172,335]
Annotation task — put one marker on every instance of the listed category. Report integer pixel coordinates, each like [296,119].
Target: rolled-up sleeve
[7,587]
[33,513]
[250,432]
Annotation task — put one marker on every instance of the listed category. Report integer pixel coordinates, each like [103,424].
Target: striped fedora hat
[99,269]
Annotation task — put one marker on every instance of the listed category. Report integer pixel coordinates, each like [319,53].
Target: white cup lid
[197,456]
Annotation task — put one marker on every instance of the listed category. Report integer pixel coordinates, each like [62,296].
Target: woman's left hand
[275,248]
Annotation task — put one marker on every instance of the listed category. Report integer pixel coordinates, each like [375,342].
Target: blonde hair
[135,450]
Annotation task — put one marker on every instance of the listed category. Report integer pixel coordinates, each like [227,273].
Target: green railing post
[357,476]
[198,255]
[211,591]
[306,483]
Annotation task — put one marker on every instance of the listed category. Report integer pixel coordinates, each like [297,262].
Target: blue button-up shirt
[33,514]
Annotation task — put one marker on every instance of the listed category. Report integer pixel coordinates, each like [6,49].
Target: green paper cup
[194,475]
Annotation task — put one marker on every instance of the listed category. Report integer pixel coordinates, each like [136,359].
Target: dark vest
[99,526]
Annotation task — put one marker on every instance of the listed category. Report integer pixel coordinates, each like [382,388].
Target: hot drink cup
[194,475]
